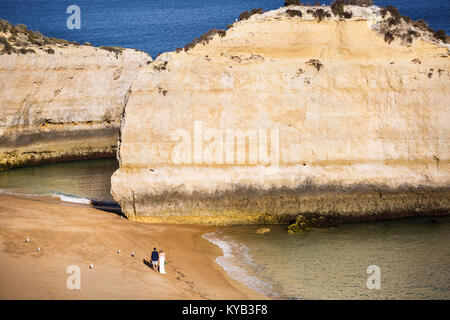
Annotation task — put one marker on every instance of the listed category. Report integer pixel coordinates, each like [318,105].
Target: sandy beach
[71,234]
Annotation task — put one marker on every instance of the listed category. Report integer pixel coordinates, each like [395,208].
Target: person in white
[162,260]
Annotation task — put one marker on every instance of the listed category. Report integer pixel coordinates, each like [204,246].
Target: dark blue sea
[157,26]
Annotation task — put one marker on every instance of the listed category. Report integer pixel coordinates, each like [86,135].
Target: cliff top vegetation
[20,40]
[393,25]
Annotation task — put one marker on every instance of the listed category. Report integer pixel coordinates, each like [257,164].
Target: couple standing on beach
[158,257]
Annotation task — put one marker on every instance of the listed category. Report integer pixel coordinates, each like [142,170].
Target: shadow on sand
[148,264]
[107,206]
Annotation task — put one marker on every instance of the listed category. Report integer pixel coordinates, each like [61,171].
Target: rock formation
[60,100]
[286,115]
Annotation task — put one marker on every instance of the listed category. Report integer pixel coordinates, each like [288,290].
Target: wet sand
[73,234]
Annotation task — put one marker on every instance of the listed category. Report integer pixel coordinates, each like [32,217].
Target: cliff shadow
[112,207]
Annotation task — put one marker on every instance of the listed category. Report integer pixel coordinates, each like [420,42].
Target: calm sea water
[157,26]
[413,256]
[87,179]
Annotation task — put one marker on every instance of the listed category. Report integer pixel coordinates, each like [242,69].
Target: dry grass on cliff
[204,39]
[116,50]
[19,39]
[393,25]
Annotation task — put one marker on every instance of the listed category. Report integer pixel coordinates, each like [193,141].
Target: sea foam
[239,264]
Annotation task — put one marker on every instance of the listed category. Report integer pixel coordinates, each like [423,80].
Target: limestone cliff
[285,115]
[60,100]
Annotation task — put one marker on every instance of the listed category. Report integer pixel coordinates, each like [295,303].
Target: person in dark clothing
[155,258]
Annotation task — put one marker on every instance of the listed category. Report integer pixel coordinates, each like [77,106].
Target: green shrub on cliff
[292,3]
[294,13]
[315,63]
[337,8]
[116,50]
[22,26]
[319,14]
[25,51]
[394,25]
[421,24]
[388,37]
[247,14]
[205,38]
[440,35]
[361,3]
[7,48]
[409,36]
[392,10]
[161,66]
[4,26]
[395,16]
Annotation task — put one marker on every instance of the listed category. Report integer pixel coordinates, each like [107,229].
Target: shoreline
[76,234]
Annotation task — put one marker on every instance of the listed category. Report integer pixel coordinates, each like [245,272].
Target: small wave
[109,206]
[28,195]
[238,263]
[58,195]
[72,198]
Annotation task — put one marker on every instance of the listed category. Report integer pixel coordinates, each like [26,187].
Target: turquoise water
[413,256]
[88,179]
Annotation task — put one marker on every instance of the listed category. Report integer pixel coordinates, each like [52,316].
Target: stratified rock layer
[351,126]
[62,101]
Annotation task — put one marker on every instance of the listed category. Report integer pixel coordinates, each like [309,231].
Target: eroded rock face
[337,122]
[63,103]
